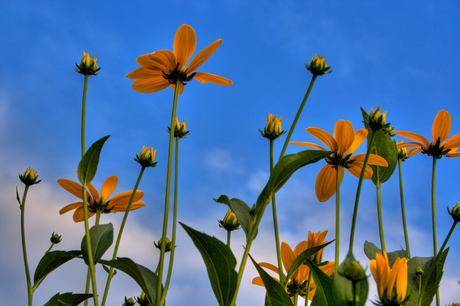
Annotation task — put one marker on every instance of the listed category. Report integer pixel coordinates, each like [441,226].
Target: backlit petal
[204,77]
[409,145]
[70,207]
[163,60]
[325,186]
[360,136]
[122,199]
[144,60]
[356,169]
[72,187]
[269,266]
[78,215]
[153,84]
[343,135]
[413,151]
[184,44]
[453,142]
[258,281]
[413,136]
[93,191]
[181,87]
[323,136]
[287,256]
[307,144]
[373,160]
[203,56]
[122,208]
[108,187]
[441,126]
[144,73]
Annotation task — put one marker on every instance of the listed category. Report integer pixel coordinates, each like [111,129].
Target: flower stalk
[403,210]
[337,221]
[379,213]
[22,206]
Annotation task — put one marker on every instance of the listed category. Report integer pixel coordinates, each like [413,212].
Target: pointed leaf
[277,295]
[18,198]
[370,249]
[344,287]
[101,237]
[50,262]
[68,299]
[220,264]
[88,165]
[240,209]
[325,294]
[145,278]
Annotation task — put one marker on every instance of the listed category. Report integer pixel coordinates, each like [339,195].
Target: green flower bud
[230,222]
[87,65]
[455,213]
[354,272]
[29,177]
[143,300]
[129,302]
[318,66]
[147,157]
[180,129]
[419,271]
[377,121]
[168,247]
[272,128]
[55,238]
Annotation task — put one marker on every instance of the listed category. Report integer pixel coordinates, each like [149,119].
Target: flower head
[164,68]
[180,129]
[403,154]
[87,65]
[97,202]
[298,282]
[455,212]
[344,143]
[318,66]
[391,281]
[439,147]
[168,246]
[230,222]
[378,121]
[147,157]
[29,177]
[55,238]
[354,272]
[272,129]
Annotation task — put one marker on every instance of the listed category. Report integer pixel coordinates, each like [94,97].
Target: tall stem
[120,233]
[448,237]
[83,115]
[307,294]
[379,214]
[24,251]
[167,194]
[433,219]
[337,219]
[358,192]
[403,210]
[88,245]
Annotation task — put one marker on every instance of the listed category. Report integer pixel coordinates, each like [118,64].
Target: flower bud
[87,65]
[143,300]
[455,212]
[272,129]
[129,302]
[354,272]
[55,238]
[29,177]
[168,247]
[230,222]
[419,271]
[180,129]
[147,157]
[378,121]
[318,66]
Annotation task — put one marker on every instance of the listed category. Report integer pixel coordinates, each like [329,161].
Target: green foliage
[325,291]
[220,264]
[277,295]
[145,278]
[101,237]
[68,299]
[240,209]
[50,262]
[344,286]
[370,249]
[88,165]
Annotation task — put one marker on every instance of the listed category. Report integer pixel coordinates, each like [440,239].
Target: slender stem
[88,273]
[358,192]
[167,194]
[83,112]
[403,210]
[120,233]
[291,130]
[229,237]
[307,293]
[353,283]
[275,222]
[337,219]
[174,225]
[433,218]
[379,214]
[448,237]
[24,251]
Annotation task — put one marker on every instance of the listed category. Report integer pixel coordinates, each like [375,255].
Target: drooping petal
[204,77]
[93,191]
[356,169]
[122,208]
[373,160]
[307,144]
[181,87]
[70,207]
[441,126]
[153,84]
[413,151]
[78,215]
[413,136]
[72,187]
[409,145]
[184,44]
[203,56]
[258,281]
[144,73]
[452,142]
[287,256]
[360,136]
[122,199]
[325,186]
[108,187]
[323,136]
[343,135]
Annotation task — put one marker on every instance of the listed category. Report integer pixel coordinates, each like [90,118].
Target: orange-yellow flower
[439,146]
[391,282]
[297,283]
[96,202]
[163,68]
[345,142]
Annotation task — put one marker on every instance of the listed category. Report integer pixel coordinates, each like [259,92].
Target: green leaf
[344,286]
[145,278]
[101,237]
[88,165]
[220,264]
[325,292]
[370,249]
[277,296]
[50,262]
[68,299]
[240,209]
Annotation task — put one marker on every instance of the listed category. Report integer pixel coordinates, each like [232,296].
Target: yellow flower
[118,203]
[163,68]
[230,222]
[391,282]
[297,283]
[318,66]
[272,128]
[439,147]
[345,142]
[29,177]
[87,65]
[147,157]
[180,129]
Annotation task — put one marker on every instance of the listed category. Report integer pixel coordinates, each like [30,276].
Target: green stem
[229,236]
[403,210]
[88,245]
[358,192]
[83,112]
[354,292]
[24,251]
[296,297]
[307,293]
[379,214]
[337,219]
[168,189]
[433,218]
[88,273]
[291,130]
[448,237]
[120,233]
[174,225]
[275,222]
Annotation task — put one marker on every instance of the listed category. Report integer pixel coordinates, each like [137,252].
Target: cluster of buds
[29,177]
[168,246]
[180,129]
[455,212]
[318,66]
[230,222]
[147,157]
[272,129]
[87,65]
[378,121]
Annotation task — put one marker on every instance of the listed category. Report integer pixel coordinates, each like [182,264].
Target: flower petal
[181,88]
[122,208]
[108,187]
[78,215]
[307,144]
[287,256]
[373,160]
[360,136]
[343,135]
[72,187]
[269,266]
[323,136]
[144,73]
[325,186]
[441,126]
[153,84]
[184,44]
[93,192]
[144,60]
[413,136]
[258,281]
[204,77]
[163,60]
[70,207]
[452,142]
[413,151]
[356,169]
[122,199]
[203,56]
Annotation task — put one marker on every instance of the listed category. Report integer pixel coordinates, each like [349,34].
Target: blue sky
[400,55]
